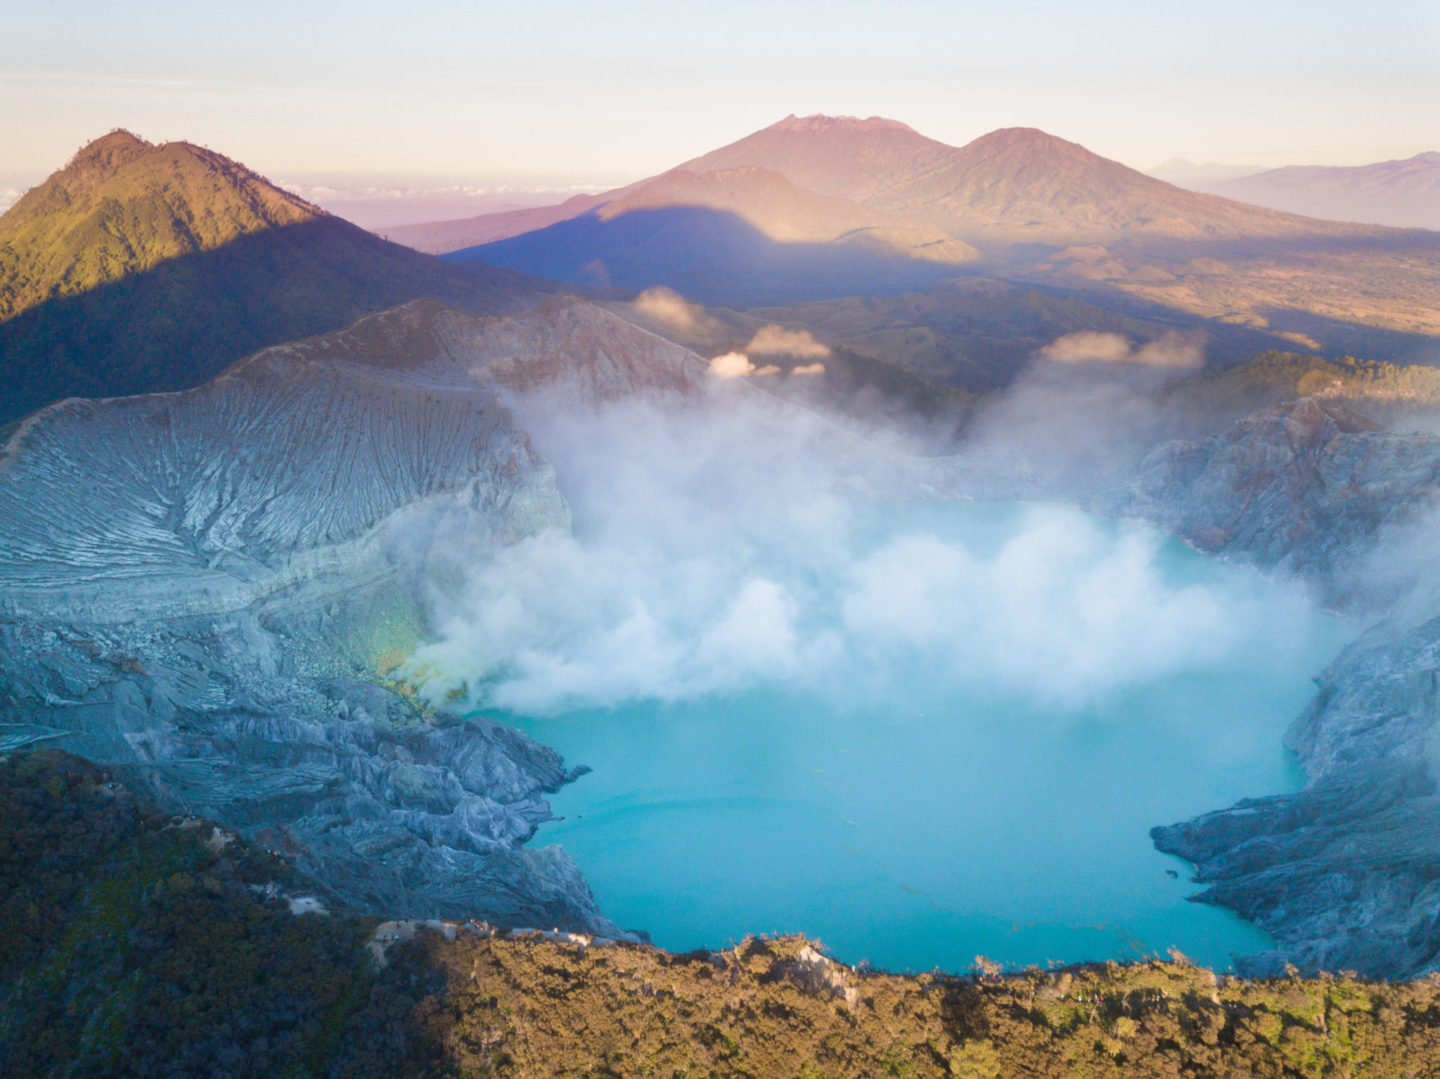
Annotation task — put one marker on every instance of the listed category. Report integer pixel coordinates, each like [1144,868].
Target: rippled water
[915,817]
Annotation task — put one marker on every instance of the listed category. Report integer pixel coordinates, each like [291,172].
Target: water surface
[916,818]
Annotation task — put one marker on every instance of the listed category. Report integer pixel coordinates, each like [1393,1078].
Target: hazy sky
[566,90]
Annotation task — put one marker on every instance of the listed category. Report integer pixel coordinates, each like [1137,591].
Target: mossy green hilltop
[140,268]
[121,206]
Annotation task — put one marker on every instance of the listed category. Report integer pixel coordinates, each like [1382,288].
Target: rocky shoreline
[1346,873]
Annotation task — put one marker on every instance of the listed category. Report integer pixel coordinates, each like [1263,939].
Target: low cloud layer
[771,341]
[775,340]
[712,554]
[669,309]
[1174,350]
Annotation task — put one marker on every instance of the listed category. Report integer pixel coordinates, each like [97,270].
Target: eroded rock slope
[1346,873]
[208,589]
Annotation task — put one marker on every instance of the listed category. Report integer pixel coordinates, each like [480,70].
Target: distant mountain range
[1015,185]
[1184,173]
[1405,194]
[821,207]
[142,267]
[1011,186]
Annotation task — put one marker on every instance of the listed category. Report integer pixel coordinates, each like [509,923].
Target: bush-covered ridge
[122,205]
[535,1008]
[139,943]
[1269,378]
[140,268]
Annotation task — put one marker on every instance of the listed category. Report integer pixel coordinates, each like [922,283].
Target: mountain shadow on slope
[184,320]
[711,256]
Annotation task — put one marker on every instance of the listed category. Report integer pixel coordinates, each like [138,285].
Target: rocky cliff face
[1306,486]
[213,589]
[208,589]
[1345,874]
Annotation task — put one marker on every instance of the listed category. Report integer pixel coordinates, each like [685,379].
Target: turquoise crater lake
[909,809]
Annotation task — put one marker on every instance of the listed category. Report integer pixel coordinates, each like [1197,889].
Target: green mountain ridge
[123,205]
[141,267]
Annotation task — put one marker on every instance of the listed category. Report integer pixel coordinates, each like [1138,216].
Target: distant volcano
[1015,185]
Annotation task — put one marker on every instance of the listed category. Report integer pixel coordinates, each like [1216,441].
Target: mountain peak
[122,205]
[1032,141]
[841,156]
[116,147]
[820,122]
[100,159]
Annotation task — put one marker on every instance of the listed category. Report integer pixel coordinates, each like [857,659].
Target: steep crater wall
[1346,873]
[208,590]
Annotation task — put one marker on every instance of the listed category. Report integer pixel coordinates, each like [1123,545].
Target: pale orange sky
[562,92]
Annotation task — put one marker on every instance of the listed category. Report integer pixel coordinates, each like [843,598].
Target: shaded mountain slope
[1018,204]
[762,197]
[140,268]
[1014,185]
[839,157]
[714,256]
[1404,194]
[440,237]
[786,213]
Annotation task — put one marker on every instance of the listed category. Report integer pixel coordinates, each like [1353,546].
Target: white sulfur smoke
[712,553]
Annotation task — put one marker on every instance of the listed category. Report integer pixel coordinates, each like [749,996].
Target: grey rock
[1346,873]
[208,591]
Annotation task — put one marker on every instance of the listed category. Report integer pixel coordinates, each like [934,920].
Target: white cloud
[809,369]
[775,340]
[1088,347]
[1174,350]
[671,310]
[731,365]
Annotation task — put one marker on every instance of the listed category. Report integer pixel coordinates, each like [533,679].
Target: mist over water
[919,730]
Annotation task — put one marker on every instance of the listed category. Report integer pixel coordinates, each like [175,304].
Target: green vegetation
[521,1008]
[1386,390]
[123,205]
[974,335]
[142,268]
[139,943]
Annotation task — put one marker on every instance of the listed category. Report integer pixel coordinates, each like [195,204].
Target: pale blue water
[934,822]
